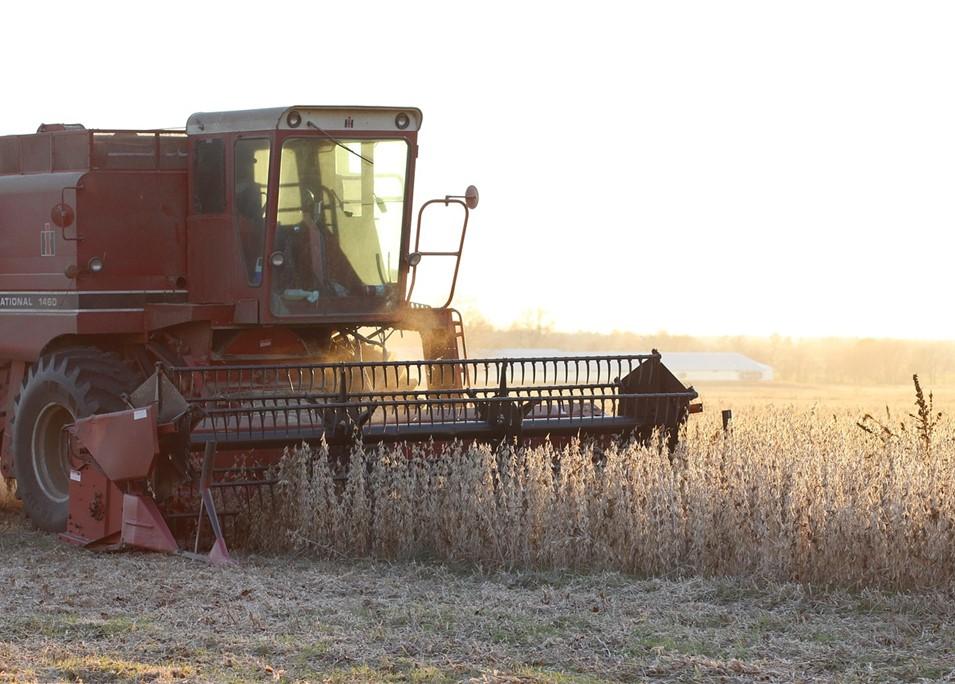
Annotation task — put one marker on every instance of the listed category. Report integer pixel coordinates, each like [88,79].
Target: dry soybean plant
[924,421]
[787,494]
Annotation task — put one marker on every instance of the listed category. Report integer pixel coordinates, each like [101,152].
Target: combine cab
[178,308]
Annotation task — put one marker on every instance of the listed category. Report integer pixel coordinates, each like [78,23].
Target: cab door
[250,219]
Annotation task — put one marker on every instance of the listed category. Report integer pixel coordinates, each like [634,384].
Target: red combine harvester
[177,307]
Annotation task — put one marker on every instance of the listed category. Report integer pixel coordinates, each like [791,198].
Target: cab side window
[209,177]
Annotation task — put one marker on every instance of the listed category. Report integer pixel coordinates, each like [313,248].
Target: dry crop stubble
[148,617]
[789,494]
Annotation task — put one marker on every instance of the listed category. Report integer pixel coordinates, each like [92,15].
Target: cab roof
[306,117]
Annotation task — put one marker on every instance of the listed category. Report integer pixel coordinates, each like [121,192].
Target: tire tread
[95,380]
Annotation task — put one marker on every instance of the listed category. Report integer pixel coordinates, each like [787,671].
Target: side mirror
[471,197]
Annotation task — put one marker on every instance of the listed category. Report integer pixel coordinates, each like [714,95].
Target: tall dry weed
[786,494]
[8,498]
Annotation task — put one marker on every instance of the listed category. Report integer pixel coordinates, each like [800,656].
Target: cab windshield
[338,228]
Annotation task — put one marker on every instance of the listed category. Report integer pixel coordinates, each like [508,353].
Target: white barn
[716,367]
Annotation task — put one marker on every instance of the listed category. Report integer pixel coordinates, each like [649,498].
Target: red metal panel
[261,344]
[95,510]
[212,260]
[110,322]
[143,525]
[134,221]
[10,154]
[22,335]
[25,206]
[124,444]
[36,153]
[71,151]
[247,311]
[166,315]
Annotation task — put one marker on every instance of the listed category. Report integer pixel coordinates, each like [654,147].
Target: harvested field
[66,614]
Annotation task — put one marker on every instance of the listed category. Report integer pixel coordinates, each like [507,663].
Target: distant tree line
[803,360]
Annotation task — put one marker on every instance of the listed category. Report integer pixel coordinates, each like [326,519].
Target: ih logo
[349,122]
[47,241]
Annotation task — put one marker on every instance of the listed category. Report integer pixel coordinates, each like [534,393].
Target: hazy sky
[695,167]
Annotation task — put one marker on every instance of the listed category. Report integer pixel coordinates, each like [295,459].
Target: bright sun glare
[702,168]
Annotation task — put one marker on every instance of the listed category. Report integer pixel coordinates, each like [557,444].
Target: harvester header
[178,307]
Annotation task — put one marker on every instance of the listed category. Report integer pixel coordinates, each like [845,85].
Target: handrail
[456,254]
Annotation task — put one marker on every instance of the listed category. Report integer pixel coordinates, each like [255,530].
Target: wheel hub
[51,459]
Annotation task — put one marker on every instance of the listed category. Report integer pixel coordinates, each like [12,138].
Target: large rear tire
[58,389]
